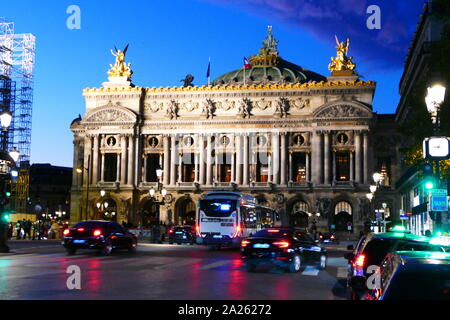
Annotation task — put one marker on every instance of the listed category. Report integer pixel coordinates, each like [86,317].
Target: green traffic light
[429,185]
[8,194]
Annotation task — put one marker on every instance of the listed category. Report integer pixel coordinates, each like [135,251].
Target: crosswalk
[159,263]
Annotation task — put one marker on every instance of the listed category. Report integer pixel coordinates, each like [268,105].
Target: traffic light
[428,176]
[5,217]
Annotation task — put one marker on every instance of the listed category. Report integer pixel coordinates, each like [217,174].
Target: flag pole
[209,75]
[244,74]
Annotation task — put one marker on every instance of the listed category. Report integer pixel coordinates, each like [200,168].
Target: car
[371,250]
[328,237]
[413,275]
[104,236]
[287,248]
[179,235]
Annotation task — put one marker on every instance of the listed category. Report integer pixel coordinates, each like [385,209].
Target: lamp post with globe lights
[7,171]
[377,178]
[158,195]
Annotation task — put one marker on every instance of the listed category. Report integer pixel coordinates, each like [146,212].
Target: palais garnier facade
[300,142]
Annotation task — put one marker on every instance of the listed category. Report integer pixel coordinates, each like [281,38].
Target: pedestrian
[27,229]
[162,230]
[10,230]
[18,229]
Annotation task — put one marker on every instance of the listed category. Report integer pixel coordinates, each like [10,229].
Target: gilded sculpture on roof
[342,62]
[120,67]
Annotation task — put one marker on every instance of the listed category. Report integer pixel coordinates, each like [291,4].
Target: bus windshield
[218,208]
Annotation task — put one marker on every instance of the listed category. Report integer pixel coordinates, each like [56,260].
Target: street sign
[439,203]
[439,192]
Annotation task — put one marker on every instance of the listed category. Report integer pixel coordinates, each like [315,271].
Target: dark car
[413,275]
[373,248]
[179,235]
[328,237]
[288,248]
[103,236]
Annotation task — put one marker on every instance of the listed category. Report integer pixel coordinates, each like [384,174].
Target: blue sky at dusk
[169,39]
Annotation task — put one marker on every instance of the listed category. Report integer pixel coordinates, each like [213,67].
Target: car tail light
[332,237]
[273,230]
[171,231]
[66,232]
[321,237]
[97,233]
[281,244]
[80,229]
[359,261]
[245,243]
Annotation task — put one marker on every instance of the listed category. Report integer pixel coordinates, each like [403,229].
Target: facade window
[262,167]
[224,166]
[342,166]
[152,164]
[299,166]
[110,173]
[188,167]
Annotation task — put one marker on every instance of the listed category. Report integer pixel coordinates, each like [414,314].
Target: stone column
[86,164]
[358,172]
[137,160]
[245,168]
[366,158]
[196,159]
[276,158]
[238,141]
[233,166]
[317,157]
[291,168]
[166,178]
[352,164]
[334,166]
[326,151]
[173,159]
[269,167]
[119,156]
[95,151]
[201,150]
[180,167]
[208,161]
[308,174]
[75,162]
[123,160]
[102,169]
[283,158]
[131,164]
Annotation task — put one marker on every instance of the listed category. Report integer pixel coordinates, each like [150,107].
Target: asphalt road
[38,270]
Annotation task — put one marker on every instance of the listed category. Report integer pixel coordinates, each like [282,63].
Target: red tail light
[80,229]
[273,230]
[281,244]
[171,231]
[245,243]
[66,232]
[97,233]
[359,261]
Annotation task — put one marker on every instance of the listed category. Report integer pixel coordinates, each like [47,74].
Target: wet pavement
[38,270]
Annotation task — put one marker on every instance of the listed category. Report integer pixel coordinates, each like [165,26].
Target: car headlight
[316,249]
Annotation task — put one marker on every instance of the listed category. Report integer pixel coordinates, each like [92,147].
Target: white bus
[223,218]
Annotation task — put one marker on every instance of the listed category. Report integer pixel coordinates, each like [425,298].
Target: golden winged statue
[120,67]
[342,61]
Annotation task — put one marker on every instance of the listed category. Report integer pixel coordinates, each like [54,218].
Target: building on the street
[49,191]
[418,69]
[301,142]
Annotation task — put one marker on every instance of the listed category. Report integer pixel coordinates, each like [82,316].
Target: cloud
[384,49]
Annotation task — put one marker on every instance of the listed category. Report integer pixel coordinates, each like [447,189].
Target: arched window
[343,206]
[300,206]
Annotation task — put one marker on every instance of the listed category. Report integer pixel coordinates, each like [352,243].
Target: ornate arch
[343,110]
[110,113]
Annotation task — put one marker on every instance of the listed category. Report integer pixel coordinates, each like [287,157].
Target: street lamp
[434,98]
[154,194]
[373,188]
[15,154]
[5,119]
[102,193]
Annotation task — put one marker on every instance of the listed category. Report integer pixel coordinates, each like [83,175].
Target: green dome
[284,71]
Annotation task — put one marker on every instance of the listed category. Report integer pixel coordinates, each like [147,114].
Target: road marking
[342,273]
[179,263]
[215,264]
[310,271]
